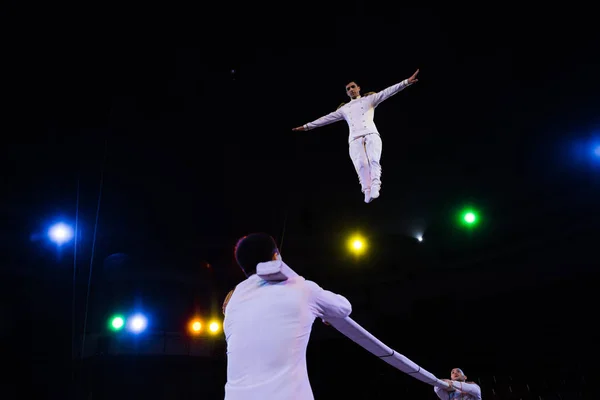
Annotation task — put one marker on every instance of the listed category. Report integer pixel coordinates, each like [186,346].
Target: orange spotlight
[195,326]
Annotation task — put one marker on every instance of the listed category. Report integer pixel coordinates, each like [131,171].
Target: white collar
[275,270]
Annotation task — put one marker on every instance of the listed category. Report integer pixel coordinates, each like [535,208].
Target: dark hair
[364,95]
[254,249]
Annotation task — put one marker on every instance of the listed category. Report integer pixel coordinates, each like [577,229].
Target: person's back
[267,327]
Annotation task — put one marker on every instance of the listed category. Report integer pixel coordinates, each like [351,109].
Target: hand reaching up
[413,78]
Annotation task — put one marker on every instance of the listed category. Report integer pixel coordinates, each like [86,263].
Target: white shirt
[267,326]
[463,391]
[359,113]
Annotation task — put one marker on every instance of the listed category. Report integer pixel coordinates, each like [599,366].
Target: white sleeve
[469,388]
[441,393]
[326,304]
[385,94]
[326,120]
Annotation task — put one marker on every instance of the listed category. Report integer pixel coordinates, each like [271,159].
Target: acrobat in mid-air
[364,140]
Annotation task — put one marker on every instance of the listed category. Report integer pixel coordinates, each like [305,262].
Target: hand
[450,387]
[413,78]
[300,128]
[325,322]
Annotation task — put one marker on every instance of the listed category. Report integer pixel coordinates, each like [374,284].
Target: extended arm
[325,120]
[469,388]
[327,304]
[385,94]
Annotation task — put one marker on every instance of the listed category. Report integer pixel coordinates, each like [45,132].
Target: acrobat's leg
[358,154]
[374,147]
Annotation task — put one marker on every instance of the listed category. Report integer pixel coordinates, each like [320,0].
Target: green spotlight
[469,217]
[116,323]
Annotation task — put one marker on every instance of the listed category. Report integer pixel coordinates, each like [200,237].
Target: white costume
[463,391]
[364,140]
[278,271]
[267,326]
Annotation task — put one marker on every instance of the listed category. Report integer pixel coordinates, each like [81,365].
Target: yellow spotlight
[214,327]
[195,326]
[357,244]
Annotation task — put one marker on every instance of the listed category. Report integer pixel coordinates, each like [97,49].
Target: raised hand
[413,78]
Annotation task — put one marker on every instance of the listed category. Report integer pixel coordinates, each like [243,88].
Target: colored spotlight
[116,323]
[357,244]
[60,233]
[214,327]
[469,217]
[137,323]
[195,326]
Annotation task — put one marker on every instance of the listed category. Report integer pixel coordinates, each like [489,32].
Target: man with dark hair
[459,388]
[254,249]
[364,140]
[267,326]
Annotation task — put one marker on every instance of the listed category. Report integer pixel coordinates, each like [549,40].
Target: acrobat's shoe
[374,192]
[367,196]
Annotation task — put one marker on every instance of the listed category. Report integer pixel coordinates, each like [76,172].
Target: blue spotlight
[137,323]
[60,233]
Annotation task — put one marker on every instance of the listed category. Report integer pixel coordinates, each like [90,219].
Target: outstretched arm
[385,94]
[326,120]
[326,304]
[469,388]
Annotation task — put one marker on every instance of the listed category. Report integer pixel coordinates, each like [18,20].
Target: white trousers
[365,153]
